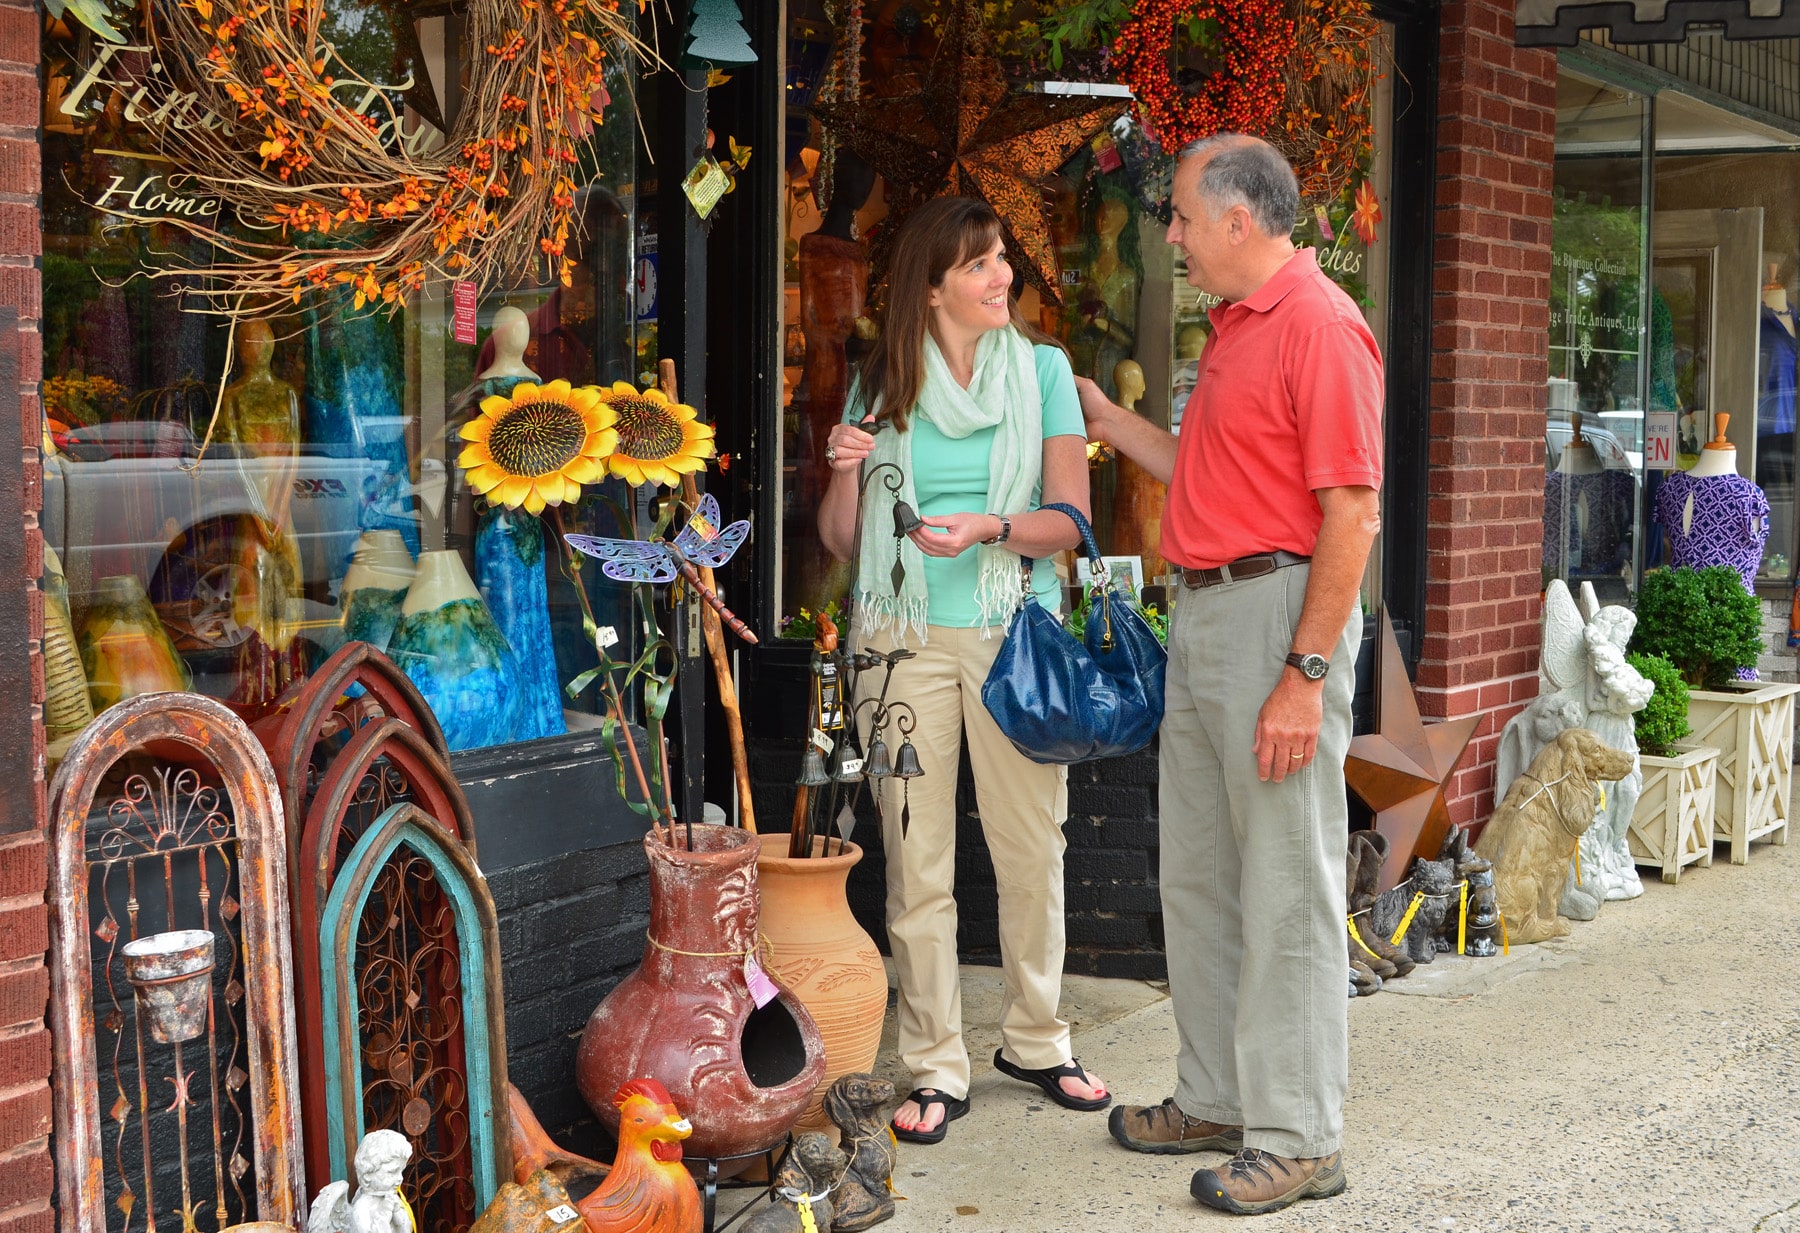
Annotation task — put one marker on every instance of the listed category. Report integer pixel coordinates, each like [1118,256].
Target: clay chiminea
[687,1016]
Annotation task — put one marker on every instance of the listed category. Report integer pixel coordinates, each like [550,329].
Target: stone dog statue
[1433,883]
[1584,682]
[1533,834]
[807,1174]
[857,1105]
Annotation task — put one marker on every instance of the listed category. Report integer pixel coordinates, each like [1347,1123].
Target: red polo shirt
[1290,401]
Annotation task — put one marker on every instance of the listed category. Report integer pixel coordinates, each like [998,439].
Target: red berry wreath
[1245,95]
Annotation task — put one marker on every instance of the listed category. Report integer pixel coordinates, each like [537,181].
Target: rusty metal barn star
[965,133]
[1402,769]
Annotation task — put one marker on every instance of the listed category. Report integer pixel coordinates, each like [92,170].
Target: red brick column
[26,1177]
[1490,336]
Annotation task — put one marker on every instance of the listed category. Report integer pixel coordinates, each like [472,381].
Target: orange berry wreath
[1254,40]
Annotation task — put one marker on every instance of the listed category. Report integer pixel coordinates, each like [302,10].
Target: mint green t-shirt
[951,477]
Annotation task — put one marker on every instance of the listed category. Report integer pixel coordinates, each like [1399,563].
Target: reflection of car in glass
[130,498]
[1612,452]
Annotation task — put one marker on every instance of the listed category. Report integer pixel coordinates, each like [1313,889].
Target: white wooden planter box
[1752,727]
[1672,825]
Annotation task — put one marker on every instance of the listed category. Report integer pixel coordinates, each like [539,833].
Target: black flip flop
[1047,1079]
[953,1109]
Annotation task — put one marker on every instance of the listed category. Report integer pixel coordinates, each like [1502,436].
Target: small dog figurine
[1435,881]
[1534,832]
[806,1177]
[1478,872]
[857,1106]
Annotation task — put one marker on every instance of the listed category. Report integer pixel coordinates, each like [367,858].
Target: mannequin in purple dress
[1711,515]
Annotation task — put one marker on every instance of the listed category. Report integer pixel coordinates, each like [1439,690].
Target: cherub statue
[1584,682]
[378,1207]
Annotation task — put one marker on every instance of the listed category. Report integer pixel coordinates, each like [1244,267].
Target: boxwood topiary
[1664,719]
[1701,620]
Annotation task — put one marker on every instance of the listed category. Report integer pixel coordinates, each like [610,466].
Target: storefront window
[1594,434]
[1127,316]
[218,497]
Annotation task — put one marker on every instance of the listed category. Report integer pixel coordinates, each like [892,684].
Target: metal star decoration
[965,133]
[1401,770]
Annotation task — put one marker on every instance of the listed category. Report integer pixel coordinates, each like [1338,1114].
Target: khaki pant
[1022,806]
[1253,875]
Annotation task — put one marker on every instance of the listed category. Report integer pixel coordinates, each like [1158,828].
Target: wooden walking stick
[714,634]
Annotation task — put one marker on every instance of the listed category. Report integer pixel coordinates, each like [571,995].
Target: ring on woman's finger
[831,453]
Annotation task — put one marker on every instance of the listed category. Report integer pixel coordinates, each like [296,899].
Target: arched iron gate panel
[409,914]
[189,838]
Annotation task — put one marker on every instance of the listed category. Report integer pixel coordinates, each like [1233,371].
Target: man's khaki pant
[1022,806]
[1253,875]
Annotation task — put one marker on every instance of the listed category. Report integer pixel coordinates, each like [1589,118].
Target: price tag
[462,321]
[562,1213]
[821,742]
[853,766]
[762,989]
[606,636]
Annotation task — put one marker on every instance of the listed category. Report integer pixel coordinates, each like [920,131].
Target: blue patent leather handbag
[1061,699]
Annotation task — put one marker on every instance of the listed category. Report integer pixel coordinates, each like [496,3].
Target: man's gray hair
[1248,171]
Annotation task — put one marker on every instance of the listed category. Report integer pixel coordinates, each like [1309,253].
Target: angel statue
[1584,682]
[378,1207]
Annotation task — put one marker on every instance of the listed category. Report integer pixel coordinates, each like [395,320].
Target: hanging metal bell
[906,762]
[878,765]
[812,769]
[846,767]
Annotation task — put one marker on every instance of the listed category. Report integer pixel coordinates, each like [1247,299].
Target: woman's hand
[951,535]
[846,448]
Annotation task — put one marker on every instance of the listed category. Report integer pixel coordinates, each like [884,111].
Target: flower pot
[1672,823]
[686,1017]
[448,645]
[1752,727]
[171,973]
[817,949]
[124,647]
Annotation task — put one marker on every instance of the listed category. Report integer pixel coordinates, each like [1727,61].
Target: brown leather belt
[1243,569]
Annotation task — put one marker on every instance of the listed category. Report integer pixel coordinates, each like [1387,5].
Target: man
[1271,511]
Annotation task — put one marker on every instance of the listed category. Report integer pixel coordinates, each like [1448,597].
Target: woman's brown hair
[941,234]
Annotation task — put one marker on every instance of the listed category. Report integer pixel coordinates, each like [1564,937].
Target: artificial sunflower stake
[539,445]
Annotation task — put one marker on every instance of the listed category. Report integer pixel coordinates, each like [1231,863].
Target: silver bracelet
[1005,531]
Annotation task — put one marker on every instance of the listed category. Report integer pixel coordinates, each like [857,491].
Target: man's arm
[1152,448]
[1288,723]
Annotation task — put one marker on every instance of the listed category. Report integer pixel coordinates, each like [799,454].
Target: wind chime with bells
[833,770]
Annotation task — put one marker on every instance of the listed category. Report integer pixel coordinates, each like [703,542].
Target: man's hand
[1287,727]
[1096,408]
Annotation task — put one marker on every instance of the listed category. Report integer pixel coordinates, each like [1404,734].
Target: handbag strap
[1097,588]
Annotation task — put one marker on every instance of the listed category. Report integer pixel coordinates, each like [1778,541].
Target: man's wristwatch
[1005,531]
[1312,667]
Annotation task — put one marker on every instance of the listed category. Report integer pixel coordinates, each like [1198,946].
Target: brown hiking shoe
[1255,1181]
[1164,1130]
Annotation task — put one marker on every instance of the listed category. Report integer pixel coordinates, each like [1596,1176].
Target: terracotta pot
[817,949]
[686,1017]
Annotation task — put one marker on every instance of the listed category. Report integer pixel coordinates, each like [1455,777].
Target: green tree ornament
[716,34]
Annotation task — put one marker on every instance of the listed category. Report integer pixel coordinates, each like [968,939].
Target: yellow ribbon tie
[411,1219]
[1462,919]
[1357,937]
[1505,946]
[1412,910]
[807,1223]
[1578,864]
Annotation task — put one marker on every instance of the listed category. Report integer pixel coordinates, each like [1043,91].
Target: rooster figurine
[648,1189]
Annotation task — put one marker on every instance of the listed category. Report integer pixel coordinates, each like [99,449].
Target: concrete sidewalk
[1639,1075]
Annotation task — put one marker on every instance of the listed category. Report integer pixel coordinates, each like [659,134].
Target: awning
[1554,23]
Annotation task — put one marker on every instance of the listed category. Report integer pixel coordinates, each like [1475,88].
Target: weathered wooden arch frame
[208,732]
[478,955]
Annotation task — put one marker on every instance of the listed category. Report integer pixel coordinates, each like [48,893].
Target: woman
[985,427]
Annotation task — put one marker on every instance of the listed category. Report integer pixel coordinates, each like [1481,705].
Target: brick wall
[1490,333]
[26,1179]
[570,929]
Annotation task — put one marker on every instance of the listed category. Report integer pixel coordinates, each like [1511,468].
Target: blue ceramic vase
[450,647]
[374,588]
[509,571]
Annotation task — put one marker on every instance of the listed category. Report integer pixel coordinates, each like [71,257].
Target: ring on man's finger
[1296,756]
